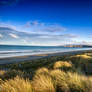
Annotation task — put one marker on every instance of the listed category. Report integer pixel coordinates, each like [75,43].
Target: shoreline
[16,59]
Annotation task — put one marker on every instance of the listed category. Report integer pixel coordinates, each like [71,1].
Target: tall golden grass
[42,70]
[16,85]
[59,77]
[43,83]
[54,79]
[61,64]
[82,61]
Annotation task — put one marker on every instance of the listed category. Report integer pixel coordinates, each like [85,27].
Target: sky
[45,22]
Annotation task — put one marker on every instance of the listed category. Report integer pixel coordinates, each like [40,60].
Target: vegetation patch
[70,73]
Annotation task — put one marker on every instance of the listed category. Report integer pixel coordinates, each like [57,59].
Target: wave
[11,53]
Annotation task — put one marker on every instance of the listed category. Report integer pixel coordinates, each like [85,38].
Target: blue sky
[48,22]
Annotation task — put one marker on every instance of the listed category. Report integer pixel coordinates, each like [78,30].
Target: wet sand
[38,56]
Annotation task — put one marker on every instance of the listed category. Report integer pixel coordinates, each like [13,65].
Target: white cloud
[1,35]
[39,33]
[62,36]
[70,35]
[54,28]
[14,36]
[86,42]
[27,25]
[33,24]
[43,27]
[2,24]
[25,41]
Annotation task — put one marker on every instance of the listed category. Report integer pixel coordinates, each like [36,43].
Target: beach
[55,72]
[16,59]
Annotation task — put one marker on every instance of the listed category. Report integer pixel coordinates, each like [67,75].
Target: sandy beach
[16,59]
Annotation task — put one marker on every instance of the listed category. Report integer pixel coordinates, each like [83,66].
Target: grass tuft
[42,70]
[16,85]
[64,65]
[43,83]
[59,77]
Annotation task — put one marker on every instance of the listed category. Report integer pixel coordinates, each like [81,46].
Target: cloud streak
[38,34]
[14,36]
[34,23]
[54,28]
[41,27]
[1,36]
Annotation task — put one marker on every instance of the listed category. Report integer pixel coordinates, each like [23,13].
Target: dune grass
[63,65]
[42,70]
[60,81]
[71,73]
[16,85]
[60,64]
[82,61]
[43,83]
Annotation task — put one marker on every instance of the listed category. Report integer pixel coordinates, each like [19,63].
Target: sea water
[15,50]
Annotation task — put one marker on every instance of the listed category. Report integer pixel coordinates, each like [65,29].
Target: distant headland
[81,46]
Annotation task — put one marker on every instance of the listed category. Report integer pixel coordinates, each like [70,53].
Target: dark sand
[31,57]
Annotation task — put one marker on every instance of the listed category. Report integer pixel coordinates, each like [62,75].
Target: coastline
[16,59]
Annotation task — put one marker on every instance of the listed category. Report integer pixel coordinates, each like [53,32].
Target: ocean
[14,50]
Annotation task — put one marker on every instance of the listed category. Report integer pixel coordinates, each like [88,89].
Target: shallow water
[14,50]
